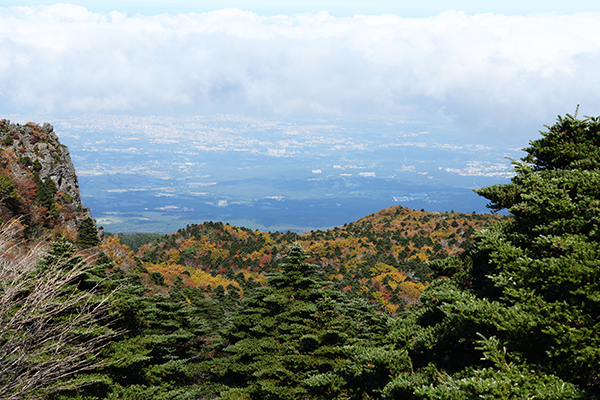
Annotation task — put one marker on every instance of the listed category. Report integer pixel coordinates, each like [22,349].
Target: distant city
[158,174]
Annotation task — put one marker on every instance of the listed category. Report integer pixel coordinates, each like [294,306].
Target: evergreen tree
[163,339]
[87,234]
[54,320]
[520,315]
[8,194]
[45,192]
[290,330]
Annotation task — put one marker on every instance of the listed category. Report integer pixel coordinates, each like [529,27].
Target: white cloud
[486,72]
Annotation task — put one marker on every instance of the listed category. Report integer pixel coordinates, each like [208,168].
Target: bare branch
[49,329]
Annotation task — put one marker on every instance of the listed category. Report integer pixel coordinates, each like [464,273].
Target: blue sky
[338,8]
[487,69]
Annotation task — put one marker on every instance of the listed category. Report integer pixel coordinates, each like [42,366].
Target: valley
[158,174]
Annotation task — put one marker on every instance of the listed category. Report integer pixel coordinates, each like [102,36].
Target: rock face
[38,182]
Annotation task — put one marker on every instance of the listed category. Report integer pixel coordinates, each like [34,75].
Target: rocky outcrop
[38,183]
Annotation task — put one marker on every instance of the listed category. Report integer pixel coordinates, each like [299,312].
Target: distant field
[157,174]
[233,202]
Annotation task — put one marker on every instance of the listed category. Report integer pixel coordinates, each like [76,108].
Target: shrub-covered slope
[38,183]
[381,257]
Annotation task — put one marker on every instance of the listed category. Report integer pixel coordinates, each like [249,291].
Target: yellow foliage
[395,276]
[268,240]
[412,289]
[190,242]
[256,276]
[378,296]
[174,256]
[203,279]
[198,276]
[205,245]
[391,308]
[255,255]
[115,250]
[381,268]
[318,249]
[352,264]
[337,277]
[218,254]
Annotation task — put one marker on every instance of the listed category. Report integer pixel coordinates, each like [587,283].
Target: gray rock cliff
[31,155]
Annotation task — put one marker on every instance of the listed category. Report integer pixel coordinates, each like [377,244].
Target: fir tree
[162,340]
[290,330]
[520,315]
[54,321]
[87,234]
[45,193]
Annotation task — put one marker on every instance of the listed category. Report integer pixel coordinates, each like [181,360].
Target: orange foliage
[63,231]
[190,242]
[263,260]
[121,254]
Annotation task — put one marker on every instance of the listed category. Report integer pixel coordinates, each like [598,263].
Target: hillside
[382,257]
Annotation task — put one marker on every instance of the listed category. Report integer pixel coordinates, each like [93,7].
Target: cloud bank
[486,72]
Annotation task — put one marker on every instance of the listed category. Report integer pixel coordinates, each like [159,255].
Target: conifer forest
[400,304]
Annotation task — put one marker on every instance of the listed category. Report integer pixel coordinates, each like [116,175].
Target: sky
[338,8]
[488,69]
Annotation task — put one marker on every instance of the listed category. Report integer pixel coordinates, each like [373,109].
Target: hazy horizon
[159,174]
[295,87]
[486,76]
